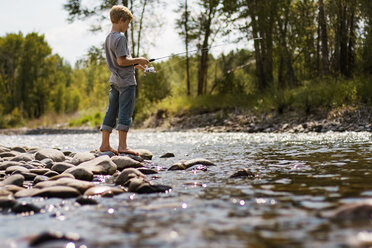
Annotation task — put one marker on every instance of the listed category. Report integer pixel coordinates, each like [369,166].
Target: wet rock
[53,154]
[198,167]
[68,153]
[12,169]
[6,164]
[82,157]
[58,192]
[51,174]
[145,154]
[86,200]
[110,154]
[196,161]
[244,173]
[141,186]
[147,171]
[39,171]
[124,162]
[80,173]
[4,149]
[7,202]
[167,155]
[61,167]
[39,179]
[80,185]
[24,207]
[48,238]
[128,174]
[9,154]
[13,188]
[19,149]
[13,180]
[26,193]
[137,158]
[23,157]
[48,162]
[101,165]
[63,175]
[103,191]
[4,192]
[27,175]
[178,166]
[359,211]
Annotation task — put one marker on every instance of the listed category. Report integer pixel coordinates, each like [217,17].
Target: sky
[72,40]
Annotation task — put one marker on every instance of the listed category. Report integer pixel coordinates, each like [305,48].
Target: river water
[299,178]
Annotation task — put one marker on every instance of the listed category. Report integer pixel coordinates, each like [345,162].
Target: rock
[6,164]
[4,192]
[103,191]
[82,157]
[39,179]
[80,173]
[196,161]
[58,191]
[101,165]
[128,174]
[124,162]
[26,193]
[13,188]
[51,174]
[36,163]
[22,157]
[48,237]
[27,175]
[24,207]
[85,200]
[39,171]
[137,158]
[4,149]
[145,154]
[167,155]
[61,167]
[7,202]
[48,162]
[68,153]
[63,175]
[243,173]
[53,154]
[178,166]
[147,171]
[198,167]
[110,154]
[149,189]
[9,154]
[80,185]
[357,211]
[14,180]
[19,149]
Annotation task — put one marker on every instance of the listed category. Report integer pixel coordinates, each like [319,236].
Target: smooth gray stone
[127,174]
[4,149]
[196,161]
[4,165]
[167,155]
[150,189]
[26,193]
[51,174]
[39,179]
[24,207]
[178,166]
[12,169]
[137,158]
[27,175]
[53,154]
[103,190]
[14,180]
[145,154]
[61,167]
[244,173]
[9,154]
[355,211]
[147,171]
[82,157]
[110,154]
[79,185]
[100,165]
[85,200]
[19,149]
[80,173]
[58,192]
[5,192]
[124,162]
[23,157]
[13,188]
[39,171]
[47,162]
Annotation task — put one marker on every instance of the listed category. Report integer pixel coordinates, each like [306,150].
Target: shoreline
[238,120]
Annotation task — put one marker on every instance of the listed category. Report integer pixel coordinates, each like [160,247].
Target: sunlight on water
[298,177]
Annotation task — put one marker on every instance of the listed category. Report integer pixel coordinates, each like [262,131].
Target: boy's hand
[141,67]
[142,61]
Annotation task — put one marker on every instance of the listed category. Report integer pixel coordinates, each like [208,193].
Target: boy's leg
[109,121]
[126,107]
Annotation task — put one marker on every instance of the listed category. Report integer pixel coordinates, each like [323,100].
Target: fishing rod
[151,69]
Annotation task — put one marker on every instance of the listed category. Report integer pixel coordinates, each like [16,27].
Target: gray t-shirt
[116,46]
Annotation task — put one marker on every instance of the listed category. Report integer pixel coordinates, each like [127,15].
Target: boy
[122,81]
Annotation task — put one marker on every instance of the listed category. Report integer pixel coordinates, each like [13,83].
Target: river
[299,177]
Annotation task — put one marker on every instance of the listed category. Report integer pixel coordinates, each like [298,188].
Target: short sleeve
[121,47]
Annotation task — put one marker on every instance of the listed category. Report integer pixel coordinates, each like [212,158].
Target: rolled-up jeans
[121,106]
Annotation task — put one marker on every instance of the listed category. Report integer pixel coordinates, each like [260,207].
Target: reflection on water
[298,177]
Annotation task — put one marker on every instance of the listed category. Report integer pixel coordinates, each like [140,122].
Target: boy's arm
[125,61]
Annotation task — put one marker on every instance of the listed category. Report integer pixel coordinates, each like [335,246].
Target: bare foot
[108,149]
[128,151]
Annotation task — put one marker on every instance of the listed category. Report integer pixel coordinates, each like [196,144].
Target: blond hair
[118,11]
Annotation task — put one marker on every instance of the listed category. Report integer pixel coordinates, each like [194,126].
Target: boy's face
[124,25]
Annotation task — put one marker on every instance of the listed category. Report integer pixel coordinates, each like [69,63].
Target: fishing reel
[149,69]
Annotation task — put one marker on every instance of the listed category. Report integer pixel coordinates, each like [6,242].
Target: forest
[300,55]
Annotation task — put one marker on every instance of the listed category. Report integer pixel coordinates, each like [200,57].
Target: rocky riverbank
[241,120]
